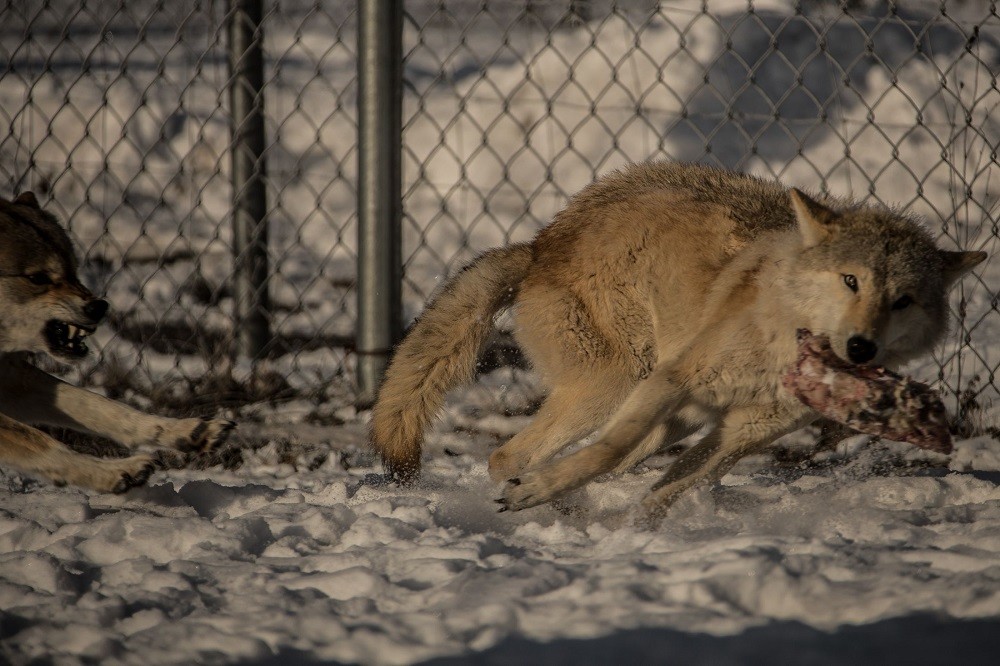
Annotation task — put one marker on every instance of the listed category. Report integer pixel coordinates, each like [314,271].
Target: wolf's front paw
[198,436]
[210,434]
[133,478]
[103,475]
[524,492]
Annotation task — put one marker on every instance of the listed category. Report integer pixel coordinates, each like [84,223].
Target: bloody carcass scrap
[870,399]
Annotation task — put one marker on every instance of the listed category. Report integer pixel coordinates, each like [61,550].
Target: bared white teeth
[75,332]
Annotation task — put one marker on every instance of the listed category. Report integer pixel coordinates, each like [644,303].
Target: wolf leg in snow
[568,414]
[32,396]
[646,414]
[742,431]
[35,452]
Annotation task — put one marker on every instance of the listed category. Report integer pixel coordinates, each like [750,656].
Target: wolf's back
[440,353]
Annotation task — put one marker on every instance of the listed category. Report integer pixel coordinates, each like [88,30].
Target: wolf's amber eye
[902,302]
[39,278]
[851,282]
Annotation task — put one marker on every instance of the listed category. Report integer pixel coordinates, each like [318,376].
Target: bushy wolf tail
[440,352]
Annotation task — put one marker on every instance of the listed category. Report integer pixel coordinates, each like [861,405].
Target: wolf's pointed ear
[956,264]
[27,199]
[816,221]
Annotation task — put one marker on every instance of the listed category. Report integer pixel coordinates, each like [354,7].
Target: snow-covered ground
[207,567]
[870,553]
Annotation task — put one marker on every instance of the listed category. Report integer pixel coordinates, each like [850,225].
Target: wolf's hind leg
[35,452]
[646,416]
[32,396]
[568,414]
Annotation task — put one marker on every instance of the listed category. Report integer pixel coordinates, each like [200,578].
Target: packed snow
[869,552]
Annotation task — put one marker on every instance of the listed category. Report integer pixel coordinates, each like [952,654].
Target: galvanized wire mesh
[117,113]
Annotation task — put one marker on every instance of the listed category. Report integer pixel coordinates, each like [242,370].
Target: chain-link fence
[118,114]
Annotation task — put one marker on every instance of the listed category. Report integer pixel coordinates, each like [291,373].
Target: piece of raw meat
[869,399]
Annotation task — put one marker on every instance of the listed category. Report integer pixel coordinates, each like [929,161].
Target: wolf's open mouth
[67,339]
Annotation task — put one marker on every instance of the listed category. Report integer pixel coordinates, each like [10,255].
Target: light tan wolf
[665,297]
[45,308]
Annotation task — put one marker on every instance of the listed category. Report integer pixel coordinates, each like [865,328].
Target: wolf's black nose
[96,309]
[860,350]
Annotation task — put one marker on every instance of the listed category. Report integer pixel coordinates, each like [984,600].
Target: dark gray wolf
[45,308]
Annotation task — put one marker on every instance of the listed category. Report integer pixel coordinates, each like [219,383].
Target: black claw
[515,482]
[198,431]
[128,481]
[199,442]
[123,484]
[144,474]
[224,430]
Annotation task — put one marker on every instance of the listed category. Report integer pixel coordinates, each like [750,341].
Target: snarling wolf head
[44,306]
[872,280]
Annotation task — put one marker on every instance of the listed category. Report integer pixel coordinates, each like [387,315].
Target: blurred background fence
[119,115]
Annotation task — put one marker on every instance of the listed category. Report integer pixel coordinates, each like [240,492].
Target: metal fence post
[380,54]
[250,265]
